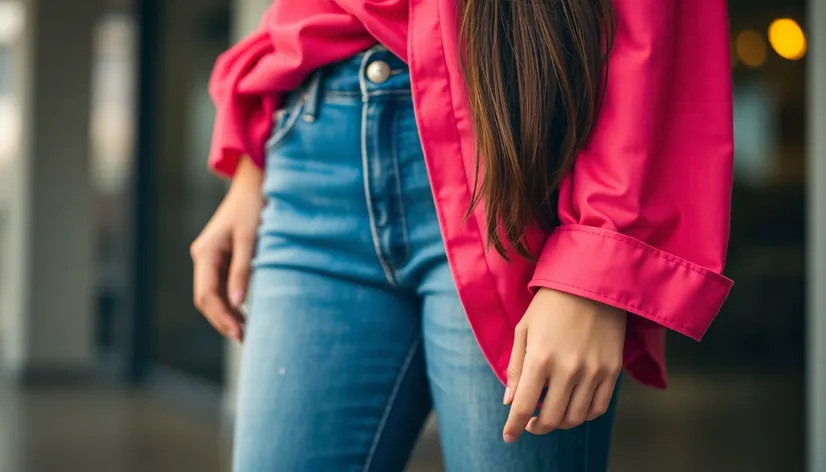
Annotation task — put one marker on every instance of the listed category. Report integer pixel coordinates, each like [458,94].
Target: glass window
[112,148]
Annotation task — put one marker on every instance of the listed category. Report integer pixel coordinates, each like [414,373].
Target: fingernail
[236,298]
[507,398]
[509,438]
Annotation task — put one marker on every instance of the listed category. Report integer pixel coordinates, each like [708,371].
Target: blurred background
[106,366]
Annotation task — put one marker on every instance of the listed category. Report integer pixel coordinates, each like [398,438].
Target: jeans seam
[280,132]
[357,94]
[365,164]
[382,93]
[402,215]
[411,352]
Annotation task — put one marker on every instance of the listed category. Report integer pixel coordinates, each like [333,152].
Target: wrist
[602,308]
[248,177]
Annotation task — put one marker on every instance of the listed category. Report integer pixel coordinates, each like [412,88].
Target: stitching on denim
[664,321]
[654,251]
[350,100]
[341,93]
[402,93]
[365,164]
[379,93]
[411,352]
[402,215]
[312,94]
[280,132]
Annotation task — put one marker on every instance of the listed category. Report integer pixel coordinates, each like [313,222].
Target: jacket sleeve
[644,215]
[248,81]
[242,112]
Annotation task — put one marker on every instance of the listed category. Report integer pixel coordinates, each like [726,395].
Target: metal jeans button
[378,72]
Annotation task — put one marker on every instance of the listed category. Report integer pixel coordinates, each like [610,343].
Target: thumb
[520,340]
[239,268]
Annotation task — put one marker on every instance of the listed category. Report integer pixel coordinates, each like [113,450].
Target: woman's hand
[222,253]
[573,346]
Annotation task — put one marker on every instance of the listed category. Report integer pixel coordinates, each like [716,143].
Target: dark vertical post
[144,195]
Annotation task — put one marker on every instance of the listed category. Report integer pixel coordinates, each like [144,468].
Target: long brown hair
[535,72]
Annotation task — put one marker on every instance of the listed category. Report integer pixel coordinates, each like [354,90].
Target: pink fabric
[644,213]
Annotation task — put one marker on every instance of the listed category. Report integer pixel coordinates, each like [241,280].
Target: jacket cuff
[626,273]
[237,133]
[225,149]
[224,162]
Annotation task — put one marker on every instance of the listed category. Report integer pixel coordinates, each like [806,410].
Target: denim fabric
[355,329]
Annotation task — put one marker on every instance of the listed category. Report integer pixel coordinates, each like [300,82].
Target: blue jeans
[355,330]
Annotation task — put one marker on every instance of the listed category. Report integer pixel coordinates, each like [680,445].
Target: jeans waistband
[352,75]
[352,78]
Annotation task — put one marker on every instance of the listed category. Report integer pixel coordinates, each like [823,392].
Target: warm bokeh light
[751,48]
[787,39]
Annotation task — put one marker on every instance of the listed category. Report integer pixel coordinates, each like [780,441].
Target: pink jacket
[644,214]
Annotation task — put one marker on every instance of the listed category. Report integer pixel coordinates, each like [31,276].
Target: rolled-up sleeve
[242,115]
[645,212]
[248,81]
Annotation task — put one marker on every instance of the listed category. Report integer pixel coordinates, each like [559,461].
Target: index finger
[515,363]
[532,381]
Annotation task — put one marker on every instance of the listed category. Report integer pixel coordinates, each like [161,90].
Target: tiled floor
[703,423]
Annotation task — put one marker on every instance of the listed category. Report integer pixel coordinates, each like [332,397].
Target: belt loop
[311,95]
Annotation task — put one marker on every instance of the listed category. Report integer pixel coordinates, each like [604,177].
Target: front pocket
[284,120]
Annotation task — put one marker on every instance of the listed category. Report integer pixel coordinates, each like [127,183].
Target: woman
[451,192]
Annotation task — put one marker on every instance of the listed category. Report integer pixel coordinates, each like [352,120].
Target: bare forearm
[247,177]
